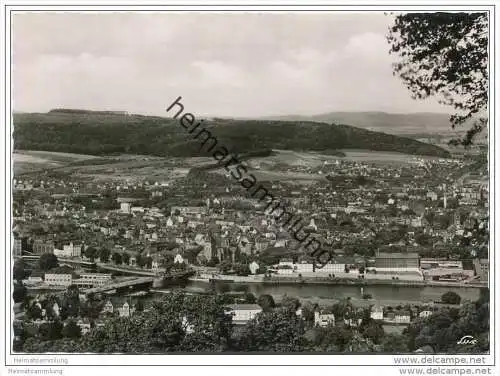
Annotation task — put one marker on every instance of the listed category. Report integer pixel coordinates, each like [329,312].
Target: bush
[451,297]
[19,293]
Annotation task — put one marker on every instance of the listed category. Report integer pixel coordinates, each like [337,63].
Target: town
[88,250]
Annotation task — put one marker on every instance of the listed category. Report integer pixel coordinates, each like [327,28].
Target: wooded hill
[101,133]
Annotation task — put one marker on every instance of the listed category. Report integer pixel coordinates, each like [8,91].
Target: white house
[323,319]
[280,243]
[352,322]
[84,326]
[155,265]
[432,195]
[35,277]
[402,317]
[253,267]
[125,207]
[178,259]
[126,310]
[377,313]
[425,313]
[242,313]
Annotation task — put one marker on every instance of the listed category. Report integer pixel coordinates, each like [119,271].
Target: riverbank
[372,282]
[326,295]
[340,282]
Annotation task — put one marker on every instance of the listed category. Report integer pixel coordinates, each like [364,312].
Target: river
[383,295]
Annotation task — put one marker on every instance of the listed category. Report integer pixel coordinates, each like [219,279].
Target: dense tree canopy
[266,302]
[451,297]
[48,261]
[19,270]
[104,254]
[19,293]
[277,331]
[177,323]
[117,258]
[445,55]
[91,253]
[203,323]
[98,135]
[446,327]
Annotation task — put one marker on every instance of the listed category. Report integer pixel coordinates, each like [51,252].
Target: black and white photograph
[285,185]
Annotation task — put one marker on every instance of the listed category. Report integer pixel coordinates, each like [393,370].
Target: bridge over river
[120,285]
[127,270]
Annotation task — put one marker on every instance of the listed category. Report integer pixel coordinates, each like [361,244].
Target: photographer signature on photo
[467,340]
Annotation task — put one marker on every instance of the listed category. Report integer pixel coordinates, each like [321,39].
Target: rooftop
[396,255]
[244,307]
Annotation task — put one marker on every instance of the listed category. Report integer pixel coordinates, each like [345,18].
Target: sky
[221,64]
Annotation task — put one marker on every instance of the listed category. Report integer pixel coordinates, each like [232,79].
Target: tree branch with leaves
[445,55]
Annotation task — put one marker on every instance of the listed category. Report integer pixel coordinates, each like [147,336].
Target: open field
[129,167]
[32,160]
[384,157]
[124,167]
[315,159]
[55,156]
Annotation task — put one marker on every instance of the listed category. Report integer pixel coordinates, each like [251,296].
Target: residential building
[377,313]
[425,313]
[93,279]
[35,277]
[125,208]
[254,267]
[84,326]
[402,317]
[178,259]
[41,247]
[242,313]
[155,265]
[69,250]
[55,279]
[323,319]
[125,310]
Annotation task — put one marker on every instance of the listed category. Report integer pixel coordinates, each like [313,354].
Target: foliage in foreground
[190,323]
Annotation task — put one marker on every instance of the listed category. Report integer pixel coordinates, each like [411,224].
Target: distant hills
[106,132]
[399,124]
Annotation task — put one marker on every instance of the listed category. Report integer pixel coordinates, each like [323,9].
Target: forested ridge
[102,133]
